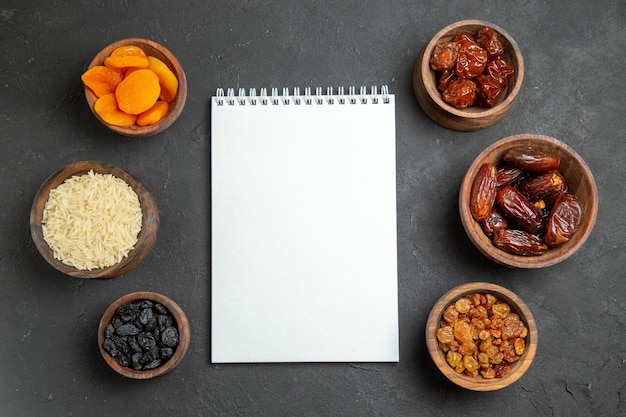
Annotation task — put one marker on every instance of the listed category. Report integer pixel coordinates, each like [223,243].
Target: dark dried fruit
[483,192]
[460,93]
[518,208]
[531,159]
[564,220]
[494,222]
[503,370]
[519,242]
[488,90]
[169,337]
[471,60]
[444,56]
[507,175]
[487,38]
[141,335]
[126,330]
[546,186]
[500,70]
[444,79]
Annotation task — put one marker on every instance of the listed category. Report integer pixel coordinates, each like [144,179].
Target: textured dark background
[575,55]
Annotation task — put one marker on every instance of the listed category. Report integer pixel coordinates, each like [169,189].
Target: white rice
[92,221]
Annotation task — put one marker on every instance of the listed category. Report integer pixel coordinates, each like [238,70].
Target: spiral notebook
[303,226]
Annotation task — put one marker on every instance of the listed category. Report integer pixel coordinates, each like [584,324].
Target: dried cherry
[460,93]
[471,60]
[444,56]
[488,40]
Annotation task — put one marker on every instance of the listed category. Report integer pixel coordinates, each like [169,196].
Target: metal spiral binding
[308,97]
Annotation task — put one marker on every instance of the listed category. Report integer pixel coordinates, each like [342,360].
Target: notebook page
[304,259]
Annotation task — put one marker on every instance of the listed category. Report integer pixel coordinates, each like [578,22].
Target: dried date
[519,242]
[507,175]
[546,186]
[564,220]
[531,159]
[494,222]
[483,192]
[518,208]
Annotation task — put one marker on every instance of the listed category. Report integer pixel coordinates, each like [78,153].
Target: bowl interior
[511,54]
[156,50]
[182,324]
[580,182]
[518,368]
[146,238]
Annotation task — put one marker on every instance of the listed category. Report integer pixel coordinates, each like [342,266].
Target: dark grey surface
[575,55]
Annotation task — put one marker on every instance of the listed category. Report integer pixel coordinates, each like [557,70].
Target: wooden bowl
[156,50]
[146,238]
[479,383]
[580,182]
[182,325]
[470,118]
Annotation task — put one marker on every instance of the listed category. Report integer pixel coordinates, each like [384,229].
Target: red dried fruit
[531,159]
[487,38]
[519,242]
[503,370]
[500,70]
[518,208]
[444,79]
[488,90]
[564,220]
[495,221]
[463,37]
[483,192]
[460,93]
[471,60]
[507,175]
[546,186]
[444,56]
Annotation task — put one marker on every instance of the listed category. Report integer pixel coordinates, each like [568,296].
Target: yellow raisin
[453,358]
[445,334]
[463,305]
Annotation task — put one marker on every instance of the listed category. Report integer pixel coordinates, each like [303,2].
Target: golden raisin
[463,305]
[445,334]
[453,358]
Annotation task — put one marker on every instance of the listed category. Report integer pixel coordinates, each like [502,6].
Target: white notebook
[303,226]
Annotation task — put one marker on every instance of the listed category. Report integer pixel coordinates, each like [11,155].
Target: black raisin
[127,330]
[169,337]
[145,316]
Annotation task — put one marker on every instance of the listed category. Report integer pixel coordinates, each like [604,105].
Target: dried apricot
[154,114]
[106,107]
[138,91]
[101,80]
[126,50]
[167,79]
[126,61]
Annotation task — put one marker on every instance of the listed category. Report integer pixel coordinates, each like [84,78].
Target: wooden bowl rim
[518,369]
[552,256]
[182,323]
[176,106]
[146,238]
[474,112]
